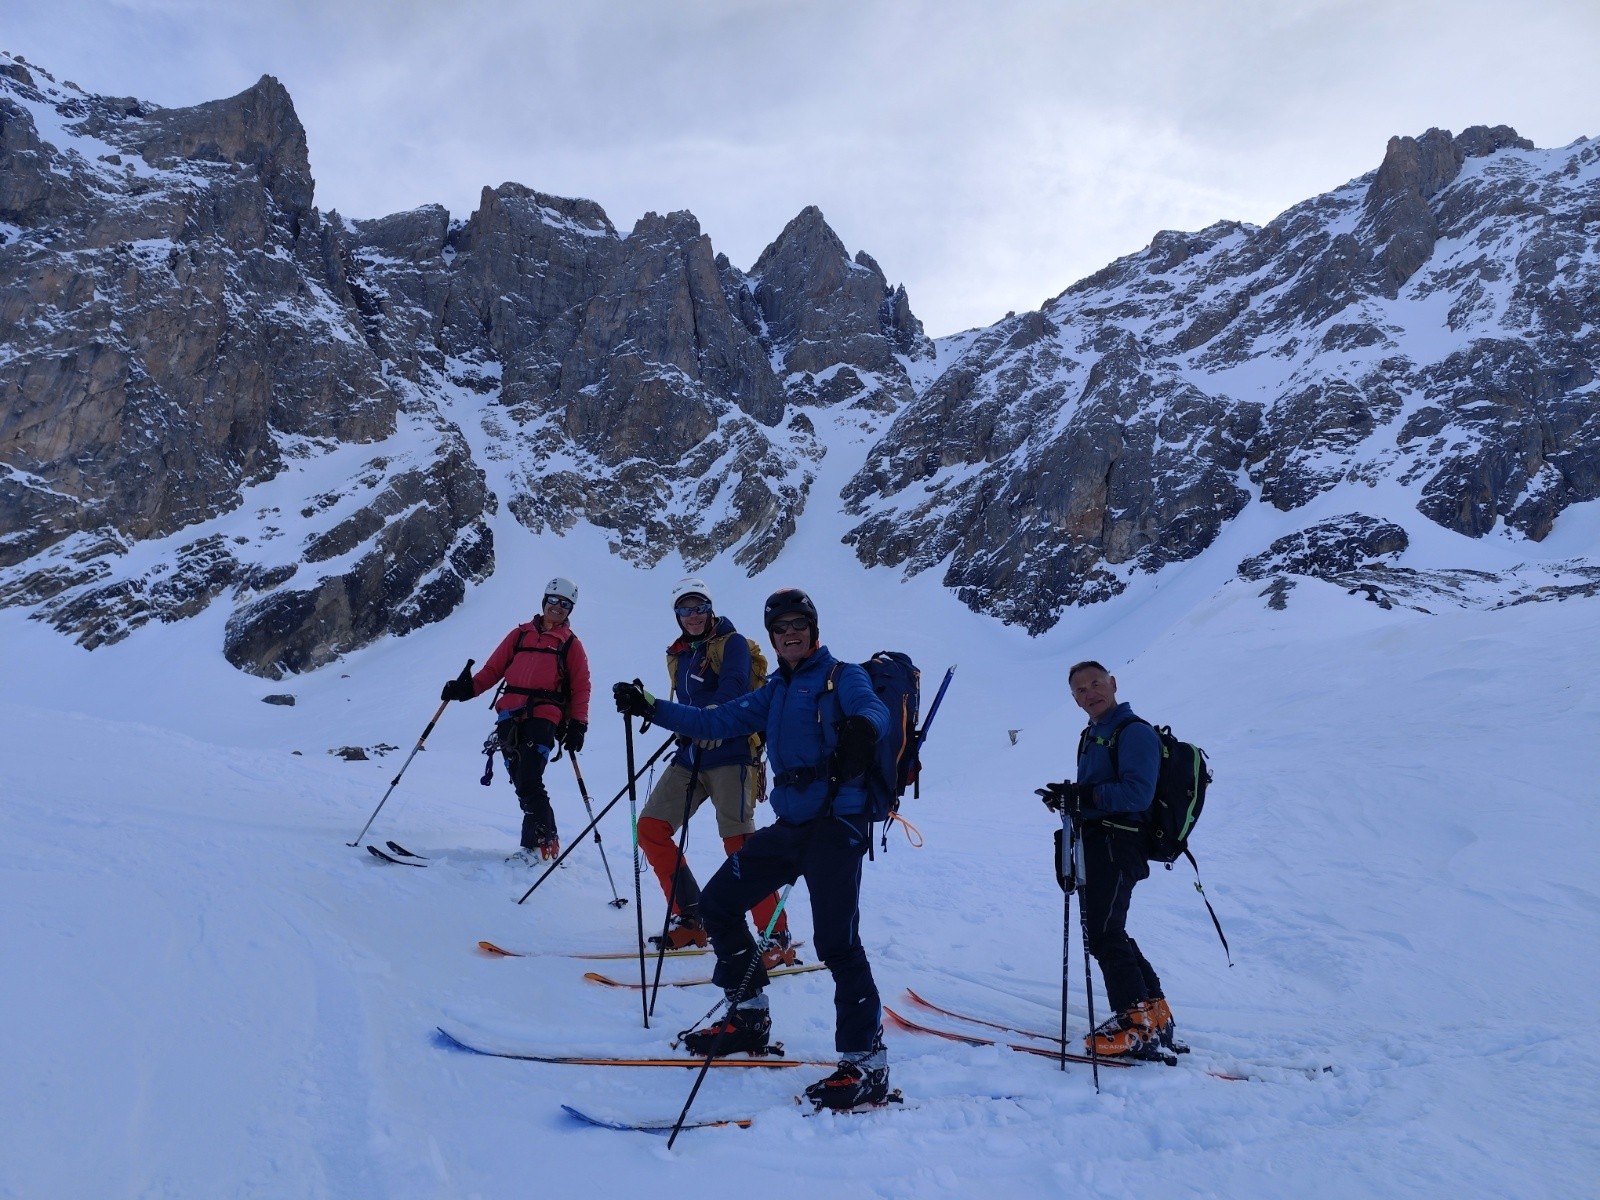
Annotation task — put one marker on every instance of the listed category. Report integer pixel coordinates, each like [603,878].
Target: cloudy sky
[986,153]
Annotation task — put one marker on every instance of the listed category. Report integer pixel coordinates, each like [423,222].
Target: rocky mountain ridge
[186,325]
[1429,331]
[190,341]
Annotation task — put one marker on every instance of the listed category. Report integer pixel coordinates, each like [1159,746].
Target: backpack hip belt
[799,777]
[539,696]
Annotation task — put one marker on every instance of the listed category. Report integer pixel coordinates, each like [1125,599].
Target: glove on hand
[573,741]
[1062,797]
[856,748]
[633,701]
[459,688]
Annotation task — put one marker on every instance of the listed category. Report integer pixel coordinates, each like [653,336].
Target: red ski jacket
[550,664]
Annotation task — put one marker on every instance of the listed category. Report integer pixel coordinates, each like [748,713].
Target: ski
[596,956]
[686,952]
[971,1020]
[397,848]
[661,1127]
[775,1061]
[607,981]
[894,1100]
[1310,1072]
[910,1026]
[390,858]
[501,951]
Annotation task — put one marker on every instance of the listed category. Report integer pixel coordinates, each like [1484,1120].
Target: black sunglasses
[691,610]
[559,602]
[794,623]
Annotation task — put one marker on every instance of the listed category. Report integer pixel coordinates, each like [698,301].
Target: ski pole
[755,959]
[749,974]
[616,900]
[584,832]
[678,871]
[633,816]
[442,706]
[733,1001]
[1081,877]
[1066,952]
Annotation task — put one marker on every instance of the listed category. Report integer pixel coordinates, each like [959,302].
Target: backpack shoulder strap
[716,648]
[560,694]
[1110,743]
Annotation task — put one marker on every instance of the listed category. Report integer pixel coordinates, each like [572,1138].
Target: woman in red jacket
[545,700]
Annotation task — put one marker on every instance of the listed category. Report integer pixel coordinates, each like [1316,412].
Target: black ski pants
[826,853]
[1113,861]
[528,747]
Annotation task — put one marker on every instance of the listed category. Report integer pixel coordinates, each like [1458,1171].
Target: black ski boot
[861,1079]
[744,1029]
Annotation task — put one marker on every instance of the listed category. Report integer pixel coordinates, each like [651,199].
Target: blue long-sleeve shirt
[798,716]
[1128,791]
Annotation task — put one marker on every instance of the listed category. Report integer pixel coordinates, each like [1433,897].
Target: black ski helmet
[788,600]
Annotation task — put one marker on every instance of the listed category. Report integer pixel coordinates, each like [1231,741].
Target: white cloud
[987,154]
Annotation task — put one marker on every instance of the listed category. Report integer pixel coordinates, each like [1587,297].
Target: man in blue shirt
[822,722]
[1119,757]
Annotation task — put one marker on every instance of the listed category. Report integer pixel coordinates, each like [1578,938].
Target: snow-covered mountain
[231,421]
[1420,343]
[215,393]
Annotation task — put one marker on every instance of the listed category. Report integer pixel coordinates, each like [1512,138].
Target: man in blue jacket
[822,721]
[1110,803]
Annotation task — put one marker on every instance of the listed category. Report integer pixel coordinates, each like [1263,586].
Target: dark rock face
[1433,325]
[1329,548]
[213,393]
[1135,471]
[180,331]
[834,325]
[185,328]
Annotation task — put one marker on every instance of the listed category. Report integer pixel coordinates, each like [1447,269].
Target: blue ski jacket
[799,714]
[698,686]
[1129,793]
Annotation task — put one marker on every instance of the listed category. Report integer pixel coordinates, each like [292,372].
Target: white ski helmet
[692,586]
[563,587]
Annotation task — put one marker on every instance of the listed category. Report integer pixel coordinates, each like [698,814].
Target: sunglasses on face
[794,623]
[691,610]
[558,601]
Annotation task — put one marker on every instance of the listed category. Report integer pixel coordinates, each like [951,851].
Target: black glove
[1063,797]
[856,748]
[459,688]
[633,701]
[573,741]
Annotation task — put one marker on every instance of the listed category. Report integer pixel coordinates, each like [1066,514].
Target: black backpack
[898,683]
[1180,795]
[1180,791]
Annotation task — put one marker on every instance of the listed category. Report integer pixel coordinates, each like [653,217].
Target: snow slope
[209,995]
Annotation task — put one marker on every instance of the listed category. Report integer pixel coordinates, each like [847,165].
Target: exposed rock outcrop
[186,328]
[1432,326]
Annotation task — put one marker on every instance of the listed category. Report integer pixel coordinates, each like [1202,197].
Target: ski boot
[778,951]
[550,848]
[744,1029]
[862,1079]
[683,931]
[1160,1014]
[1135,1033]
